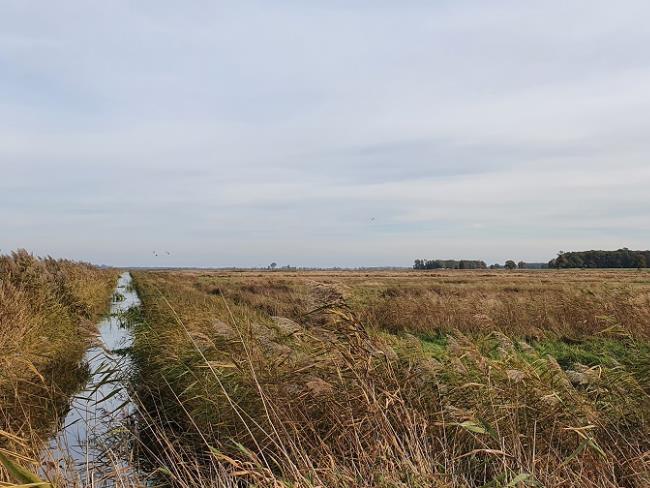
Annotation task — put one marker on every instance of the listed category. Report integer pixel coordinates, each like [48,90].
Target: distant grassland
[48,311]
[448,378]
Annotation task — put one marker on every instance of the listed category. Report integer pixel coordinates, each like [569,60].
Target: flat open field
[544,303]
[325,379]
[446,378]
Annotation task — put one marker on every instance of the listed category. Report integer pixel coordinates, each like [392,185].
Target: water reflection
[89,439]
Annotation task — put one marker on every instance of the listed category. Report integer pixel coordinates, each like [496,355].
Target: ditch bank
[91,440]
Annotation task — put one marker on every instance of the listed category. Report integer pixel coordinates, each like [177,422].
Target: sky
[323,133]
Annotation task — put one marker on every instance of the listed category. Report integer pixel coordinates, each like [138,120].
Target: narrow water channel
[85,444]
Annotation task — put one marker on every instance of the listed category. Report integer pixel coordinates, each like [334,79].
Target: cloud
[241,133]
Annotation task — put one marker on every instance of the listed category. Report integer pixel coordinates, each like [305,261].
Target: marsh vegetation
[398,379]
[48,312]
[456,378]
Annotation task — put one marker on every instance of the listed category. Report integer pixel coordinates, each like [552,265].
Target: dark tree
[621,258]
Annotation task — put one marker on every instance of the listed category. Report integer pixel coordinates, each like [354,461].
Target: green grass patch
[595,352]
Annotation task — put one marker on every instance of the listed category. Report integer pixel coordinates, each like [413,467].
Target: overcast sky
[333,132]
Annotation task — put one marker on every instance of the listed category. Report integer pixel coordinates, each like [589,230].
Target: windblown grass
[447,379]
[48,310]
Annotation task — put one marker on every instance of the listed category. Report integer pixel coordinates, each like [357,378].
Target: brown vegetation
[397,379]
[48,309]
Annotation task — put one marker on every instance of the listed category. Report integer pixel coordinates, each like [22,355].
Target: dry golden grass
[48,310]
[396,379]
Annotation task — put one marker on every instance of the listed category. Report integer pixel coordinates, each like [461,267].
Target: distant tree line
[523,265]
[510,264]
[621,258]
[473,264]
[449,264]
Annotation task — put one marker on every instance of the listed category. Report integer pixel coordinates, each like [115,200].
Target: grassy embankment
[398,379]
[48,312]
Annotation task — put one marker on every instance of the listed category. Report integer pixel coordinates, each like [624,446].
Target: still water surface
[88,440]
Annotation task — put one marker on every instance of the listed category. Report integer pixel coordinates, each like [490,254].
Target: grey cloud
[240,132]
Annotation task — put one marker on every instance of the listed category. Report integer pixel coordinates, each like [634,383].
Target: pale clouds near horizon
[240,133]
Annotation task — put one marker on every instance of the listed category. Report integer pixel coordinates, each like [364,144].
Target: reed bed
[48,311]
[463,379]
